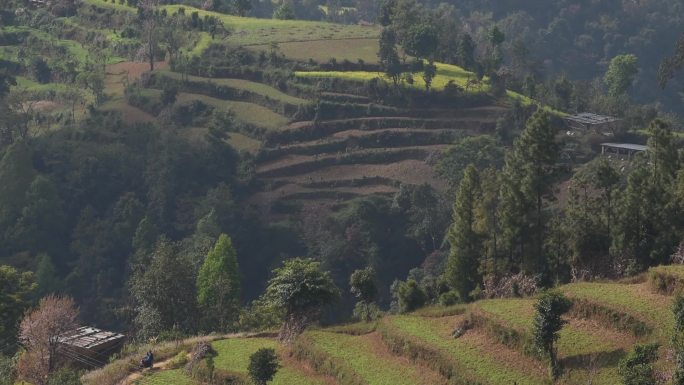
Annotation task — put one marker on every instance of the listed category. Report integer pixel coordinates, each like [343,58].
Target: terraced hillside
[316,149]
[605,322]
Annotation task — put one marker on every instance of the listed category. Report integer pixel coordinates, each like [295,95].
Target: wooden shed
[622,150]
[89,347]
[588,121]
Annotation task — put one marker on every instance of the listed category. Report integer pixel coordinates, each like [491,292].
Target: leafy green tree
[620,74]
[263,366]
[284,12]
[40,226]
[421,40]
[46,276]
[388,56]
[16,166]
[429,73]
[637,367]
[408,295]
[364,287]
[300,289]
[159,285]
[678,339]
[466,52]
[16,291]
[482,151]
[466,243]
[529,176]
[218,285]
[547,325]
[589,215]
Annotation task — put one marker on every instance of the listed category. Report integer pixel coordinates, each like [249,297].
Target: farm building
[89,347]
[587,121]
[622,150]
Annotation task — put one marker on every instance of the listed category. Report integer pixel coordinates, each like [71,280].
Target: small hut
[89,347]
[622,150]
[586,121]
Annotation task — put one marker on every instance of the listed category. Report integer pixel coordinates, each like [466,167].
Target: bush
[408,295]
[263,366]
[449,298]
[179,360]
[65,376]
[366,311]
[637,367]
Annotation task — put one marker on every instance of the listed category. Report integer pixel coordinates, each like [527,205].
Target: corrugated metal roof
[626,146]
[89,337]
[590,118]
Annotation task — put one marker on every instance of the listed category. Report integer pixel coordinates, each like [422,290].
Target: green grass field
[248,113]
[175,377]
[253,31]
[574,339]
[638,300]
[369,359]
[475,357]
[233,355]
[445,74]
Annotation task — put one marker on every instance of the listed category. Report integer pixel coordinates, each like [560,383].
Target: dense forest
[225,181]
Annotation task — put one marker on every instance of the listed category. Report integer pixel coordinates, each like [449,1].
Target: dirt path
[138,374]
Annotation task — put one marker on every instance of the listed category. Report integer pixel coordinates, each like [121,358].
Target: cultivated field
[419,348]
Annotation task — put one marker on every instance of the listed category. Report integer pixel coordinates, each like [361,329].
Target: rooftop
[89,338]
[590,118]
[626,146]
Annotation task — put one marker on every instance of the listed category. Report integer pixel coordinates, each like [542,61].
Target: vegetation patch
[367,360]
[667,279]
[253,31]
[458,357]
[247,113]
[609,317]
[305,349]
[233,356]
[353,50]
[440,311]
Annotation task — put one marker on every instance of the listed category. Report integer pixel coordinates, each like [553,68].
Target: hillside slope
[605,322]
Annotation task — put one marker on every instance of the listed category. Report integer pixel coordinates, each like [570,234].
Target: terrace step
[359,139]
[301,164]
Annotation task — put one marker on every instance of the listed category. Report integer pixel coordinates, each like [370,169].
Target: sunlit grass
[476,361]
[358,353]
[233,355]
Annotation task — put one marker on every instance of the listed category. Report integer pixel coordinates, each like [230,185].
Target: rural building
[622,150]
[586,121]
[89,347]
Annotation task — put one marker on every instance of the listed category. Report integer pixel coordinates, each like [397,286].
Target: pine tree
[218,285]
[528,185]
[465,241]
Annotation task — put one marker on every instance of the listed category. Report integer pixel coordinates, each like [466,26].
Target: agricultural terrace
[252,31]
[248,113]
[240,84]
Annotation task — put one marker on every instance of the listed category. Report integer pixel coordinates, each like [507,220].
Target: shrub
[409,295]
[179,360]
[637,367]
[263,365]
[449,298]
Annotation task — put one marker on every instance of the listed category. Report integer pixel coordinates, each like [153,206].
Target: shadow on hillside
[595,360]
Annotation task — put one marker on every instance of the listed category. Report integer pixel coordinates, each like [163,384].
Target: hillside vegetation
[420,347]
